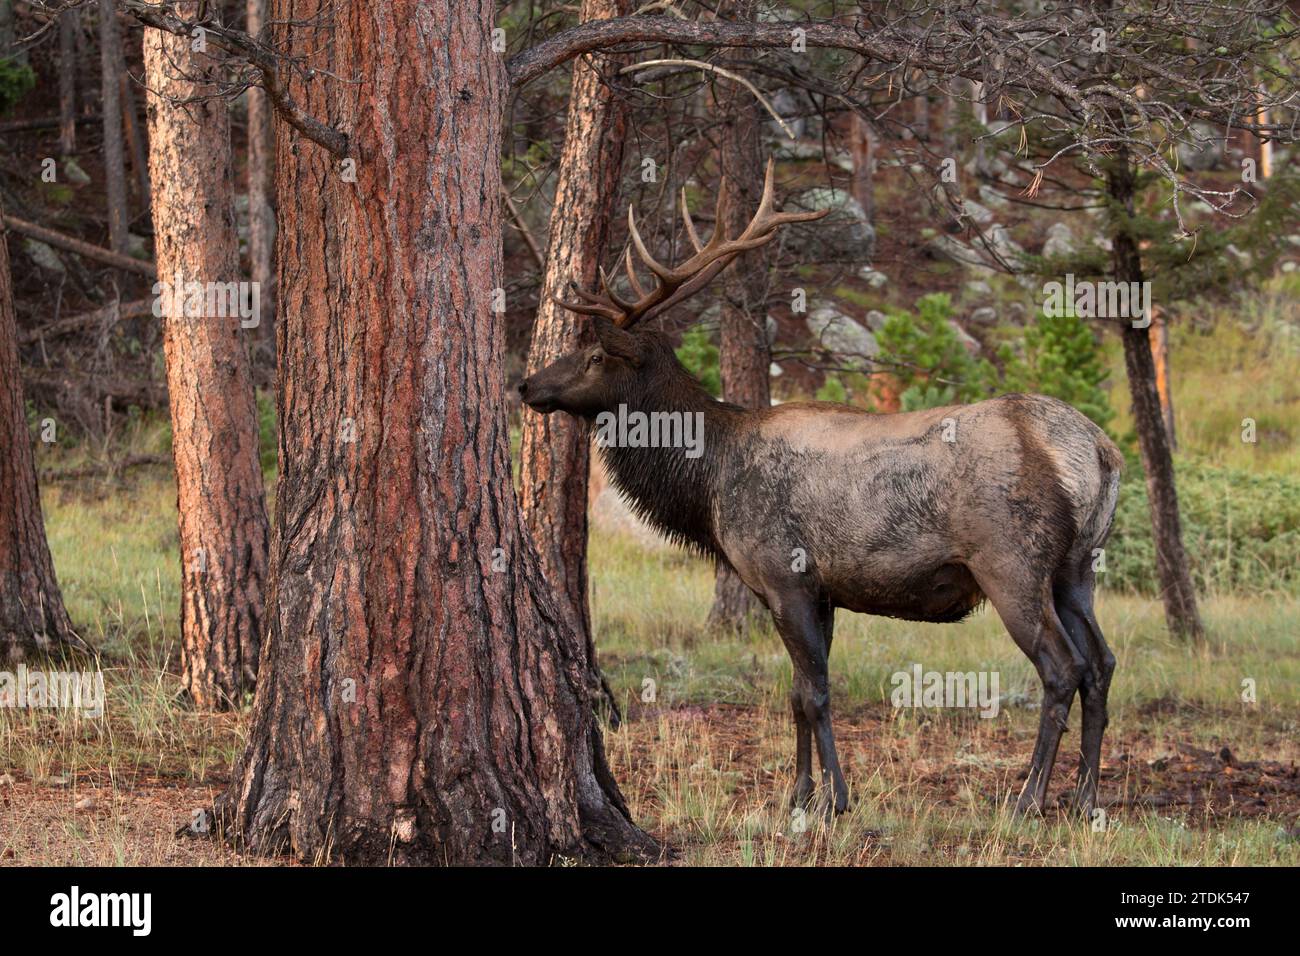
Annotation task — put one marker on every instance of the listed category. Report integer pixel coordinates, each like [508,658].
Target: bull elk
[816,506]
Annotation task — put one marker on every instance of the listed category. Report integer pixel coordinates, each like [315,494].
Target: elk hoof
[1027,806]
[803,794]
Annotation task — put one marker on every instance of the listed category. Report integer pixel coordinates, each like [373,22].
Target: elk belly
[940,595]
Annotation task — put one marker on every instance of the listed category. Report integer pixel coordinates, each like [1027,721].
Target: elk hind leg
[1074,606]
[1029,615]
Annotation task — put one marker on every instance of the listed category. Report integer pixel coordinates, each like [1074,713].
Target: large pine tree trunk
[745,357]
[220,498]
[110,72]
[261,156]
[32,617]
[555,450]
[1172,571]
[422,698]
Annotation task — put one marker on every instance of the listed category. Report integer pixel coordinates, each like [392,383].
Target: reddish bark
[555,449]
[422,698]
[32,617]
[220,498]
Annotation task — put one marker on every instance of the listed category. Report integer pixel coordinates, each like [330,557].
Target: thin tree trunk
[261,181]
[33,620]
[223,524]
[1176,589]
[68,27]
[8,48]
[134,140]
[111,68]
[555,449]
[745,357]
[422,698]
[862,147]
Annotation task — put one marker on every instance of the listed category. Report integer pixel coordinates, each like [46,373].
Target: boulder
[840,334]
[43,255]
[873,277]
[844,236]
[1059,242]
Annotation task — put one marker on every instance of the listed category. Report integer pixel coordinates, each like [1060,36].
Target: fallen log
[97,471]
[84,249]
[43,122]
[87,320]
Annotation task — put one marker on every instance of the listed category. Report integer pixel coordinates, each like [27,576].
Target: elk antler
[674,285]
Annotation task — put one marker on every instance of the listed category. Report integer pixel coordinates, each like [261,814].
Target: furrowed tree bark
[555,452]
[1176,591]
[220,497]
[33,620]
[111,67]
[422,697]
[744,356]
[261,156]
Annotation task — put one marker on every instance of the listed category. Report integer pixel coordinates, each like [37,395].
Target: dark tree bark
[33,620]
[555,449]
[111,68]
[1172,571]
[422,698]
[134,140]
[68,27]
[220,498]
[744,356]
[261,156]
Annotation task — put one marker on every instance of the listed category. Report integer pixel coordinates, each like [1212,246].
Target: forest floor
[1191,773]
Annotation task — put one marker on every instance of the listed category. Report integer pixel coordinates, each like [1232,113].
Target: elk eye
[595,359]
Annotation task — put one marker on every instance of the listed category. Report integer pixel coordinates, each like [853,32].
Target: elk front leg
[801,626]
[803,781]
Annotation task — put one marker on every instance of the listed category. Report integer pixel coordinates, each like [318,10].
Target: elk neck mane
[670,491]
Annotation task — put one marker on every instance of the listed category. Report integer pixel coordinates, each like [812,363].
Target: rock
[947,248]
[7,780]
[137,246]
[844,236]
[1104,244]
[1006,248]
[86,803]
[873,277]
[43,255]
[980,215]
[977,289]
[968,341]
[1244,258]
[1059,242]
[770,329]
[992,198]
[838,333]
[984,315]
[1288,266]
[775,370]
[1204,152]
[1293,240]
[876,320]
[74,172]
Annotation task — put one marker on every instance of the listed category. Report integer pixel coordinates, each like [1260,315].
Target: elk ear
[617,342]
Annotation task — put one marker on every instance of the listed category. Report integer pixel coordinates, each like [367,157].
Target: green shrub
[1241,531]
[1060,359]
[700,357]
[16,81]
[932,366]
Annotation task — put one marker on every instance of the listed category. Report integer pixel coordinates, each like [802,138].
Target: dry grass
[708,764]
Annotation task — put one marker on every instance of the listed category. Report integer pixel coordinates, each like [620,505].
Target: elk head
[629,364]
